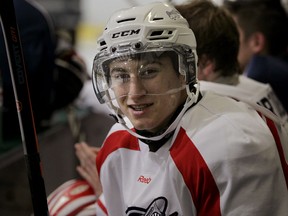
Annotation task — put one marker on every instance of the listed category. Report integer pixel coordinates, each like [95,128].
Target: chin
[141,126]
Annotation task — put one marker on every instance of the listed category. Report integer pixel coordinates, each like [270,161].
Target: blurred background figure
[39,43]
[65,15]
[55,72]
[263,53]
[56,75]
[218,47]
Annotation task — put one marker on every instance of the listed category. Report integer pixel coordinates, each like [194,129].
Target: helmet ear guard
[191,67]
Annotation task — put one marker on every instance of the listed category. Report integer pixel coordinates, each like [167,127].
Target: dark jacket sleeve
[38,44]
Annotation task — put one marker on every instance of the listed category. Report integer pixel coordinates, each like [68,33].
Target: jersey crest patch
[157,207]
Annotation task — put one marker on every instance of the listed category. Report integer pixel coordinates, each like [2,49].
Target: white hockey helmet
[145,31]
[73,198]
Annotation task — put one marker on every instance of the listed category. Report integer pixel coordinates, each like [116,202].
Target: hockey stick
[24,107]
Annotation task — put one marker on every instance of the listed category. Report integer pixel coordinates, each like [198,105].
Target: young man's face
[245,52]
[141,89]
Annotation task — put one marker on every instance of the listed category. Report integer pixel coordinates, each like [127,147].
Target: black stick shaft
[24,107]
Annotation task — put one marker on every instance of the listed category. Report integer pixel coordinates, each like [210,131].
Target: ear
[205,68]
[257,43]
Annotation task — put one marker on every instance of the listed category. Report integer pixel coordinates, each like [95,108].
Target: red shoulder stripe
[274,131]
[197,176]
[116,140]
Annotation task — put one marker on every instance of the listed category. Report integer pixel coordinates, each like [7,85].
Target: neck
[155,145]
[228,80]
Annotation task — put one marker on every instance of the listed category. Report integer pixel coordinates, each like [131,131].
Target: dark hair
[234,5]
[216,34]
[269,19]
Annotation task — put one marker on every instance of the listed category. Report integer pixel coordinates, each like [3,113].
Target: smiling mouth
[139,107]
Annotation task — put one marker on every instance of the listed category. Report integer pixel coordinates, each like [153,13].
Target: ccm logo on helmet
[125,33]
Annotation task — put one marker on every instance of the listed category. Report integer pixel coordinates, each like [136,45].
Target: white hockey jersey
[221,160]
[250,91]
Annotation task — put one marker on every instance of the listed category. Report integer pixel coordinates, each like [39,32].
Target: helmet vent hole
[102,43]
[156,33]
[126,20]
[157,18]
[160,35]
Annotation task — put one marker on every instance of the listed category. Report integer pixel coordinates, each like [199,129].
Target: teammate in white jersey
[217,48]
[176,150]
[250,91]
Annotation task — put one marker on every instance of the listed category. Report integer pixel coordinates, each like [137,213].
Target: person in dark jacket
[263,53]
[38,45]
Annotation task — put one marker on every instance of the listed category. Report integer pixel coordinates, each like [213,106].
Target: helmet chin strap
[193,96]
[191,99]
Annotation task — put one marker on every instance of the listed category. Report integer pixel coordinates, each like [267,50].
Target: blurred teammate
[263,53]
[217,48]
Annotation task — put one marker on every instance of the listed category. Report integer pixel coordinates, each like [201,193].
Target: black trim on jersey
[155,145]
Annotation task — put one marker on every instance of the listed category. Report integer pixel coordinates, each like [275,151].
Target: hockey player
[218,68]
[176,150]
[263,53]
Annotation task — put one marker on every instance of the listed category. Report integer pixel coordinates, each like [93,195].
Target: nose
[136,87]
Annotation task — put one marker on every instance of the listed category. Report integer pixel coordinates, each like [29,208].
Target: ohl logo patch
[157,207]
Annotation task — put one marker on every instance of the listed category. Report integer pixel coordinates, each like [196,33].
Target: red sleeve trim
[102,207]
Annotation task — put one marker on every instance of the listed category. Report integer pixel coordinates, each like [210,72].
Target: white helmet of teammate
[146,32]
